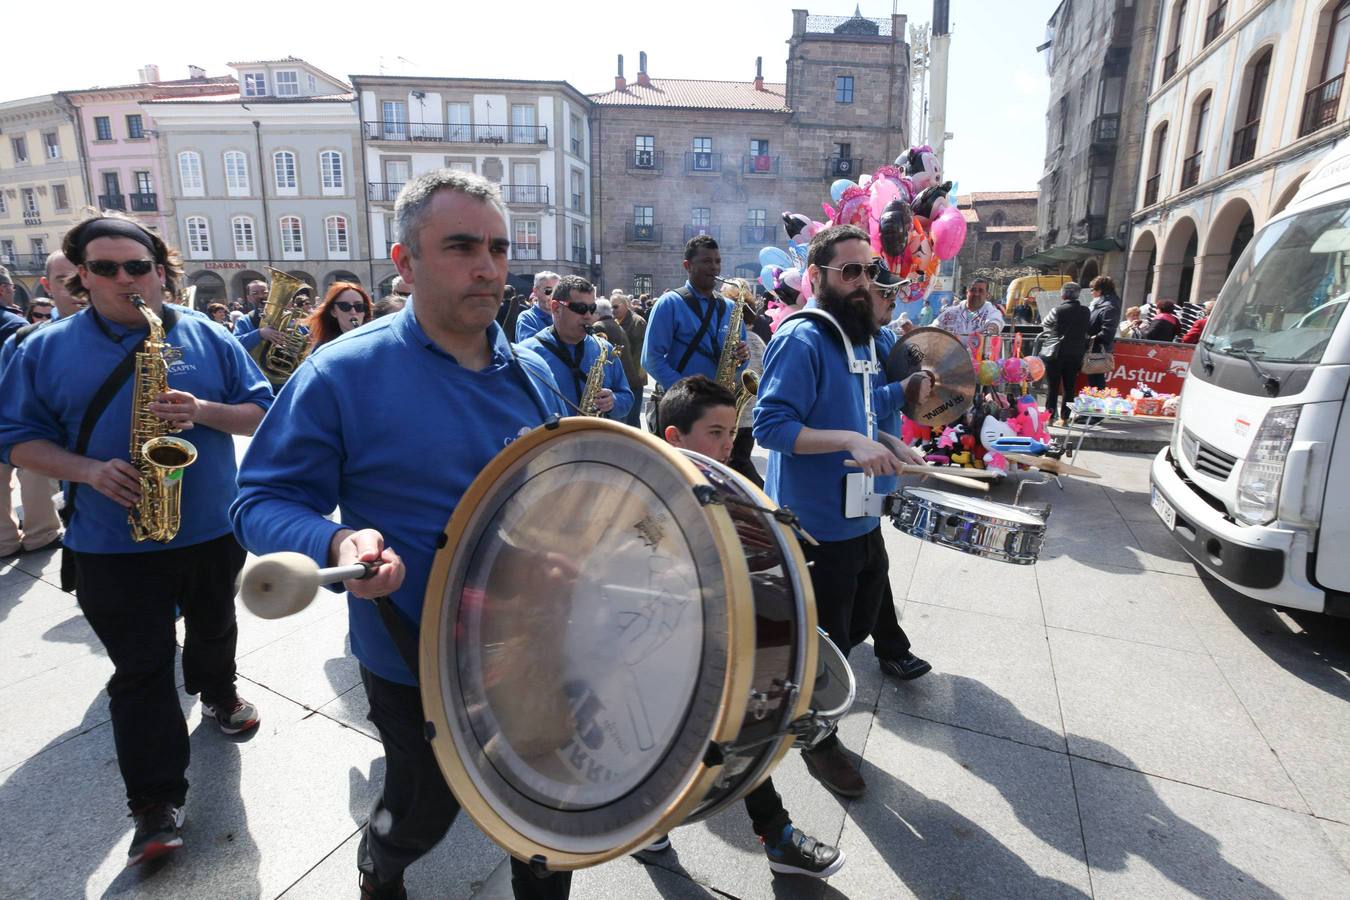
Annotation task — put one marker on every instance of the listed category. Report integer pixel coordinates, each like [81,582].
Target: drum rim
[833,651]
[739,666]
[918,495]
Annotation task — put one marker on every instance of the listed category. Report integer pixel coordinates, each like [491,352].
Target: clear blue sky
[996,103]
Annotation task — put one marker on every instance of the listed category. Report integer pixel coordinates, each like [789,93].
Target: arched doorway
[1176,270]
[1228,236]
[1089,271]
[1287,197]
[339,275]
[21,295]
[210,288]
[387,286]
[305,277]
[1139,269]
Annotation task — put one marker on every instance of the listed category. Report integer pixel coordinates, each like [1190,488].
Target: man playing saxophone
[573,354]
[79,428]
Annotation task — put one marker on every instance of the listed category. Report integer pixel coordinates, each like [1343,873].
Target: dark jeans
[1061,373]
[889,640]
[129,599]
[415,808]
[740,456]
[767,815]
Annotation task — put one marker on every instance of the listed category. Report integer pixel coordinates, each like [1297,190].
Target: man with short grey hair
[538,316]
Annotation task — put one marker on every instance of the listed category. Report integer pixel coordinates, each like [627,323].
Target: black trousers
[129,599]
[889,640]
[740,460]
[1061,378]
[416,808]
[768,817]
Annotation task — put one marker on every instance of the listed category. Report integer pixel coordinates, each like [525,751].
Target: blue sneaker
[797,853]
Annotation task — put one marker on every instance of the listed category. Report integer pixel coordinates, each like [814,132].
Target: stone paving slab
[1114,602]
[24,597]
[947,577]
[71,698]
[1151,837]
[1339,835]
[39,644]
[311,666]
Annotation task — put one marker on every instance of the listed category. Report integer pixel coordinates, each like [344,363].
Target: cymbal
[1051,465]
[944,354]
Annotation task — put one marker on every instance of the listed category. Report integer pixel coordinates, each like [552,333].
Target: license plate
[1164,510]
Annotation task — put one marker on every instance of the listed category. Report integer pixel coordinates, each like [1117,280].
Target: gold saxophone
[595,378]
[159,458]
[747,386]
[279,361]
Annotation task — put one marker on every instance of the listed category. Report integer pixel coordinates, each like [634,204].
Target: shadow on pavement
[1317,651]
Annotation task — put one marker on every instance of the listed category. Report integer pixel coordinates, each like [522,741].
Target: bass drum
[615,639]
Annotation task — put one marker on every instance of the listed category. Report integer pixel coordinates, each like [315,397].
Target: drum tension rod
[708,495]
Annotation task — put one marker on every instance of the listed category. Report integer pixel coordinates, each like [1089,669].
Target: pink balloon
[875,228]
[949,233]
[883,192]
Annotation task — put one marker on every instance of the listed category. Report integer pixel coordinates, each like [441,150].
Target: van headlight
[1258,487]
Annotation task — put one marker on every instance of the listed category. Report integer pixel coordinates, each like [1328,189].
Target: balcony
[144,202]
[524,194]
[759,164]
[1244,143]
[383,191]
[1214,22]
[646,160]
[643,234]
[693,231]
[112,201]
[1151,189]
[457,133]
[580,256]
[702,161]
[1320,105]
[25,263]
[1170,63]
[1190,170]
[843,166]
[1106,128]
[526,252]
[759,235]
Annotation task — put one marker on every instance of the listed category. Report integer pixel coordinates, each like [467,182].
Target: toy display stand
[1080,427]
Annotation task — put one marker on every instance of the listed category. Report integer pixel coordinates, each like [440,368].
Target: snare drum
[969,524]
[615,639]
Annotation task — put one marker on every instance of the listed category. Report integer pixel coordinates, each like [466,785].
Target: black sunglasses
[581,309]
[40,315]
[107,268]
[852,271]
[358,306]
[547,292]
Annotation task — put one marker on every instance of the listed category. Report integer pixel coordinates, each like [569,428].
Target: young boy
[699,414]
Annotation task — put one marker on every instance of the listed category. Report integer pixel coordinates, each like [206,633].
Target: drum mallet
[282,584]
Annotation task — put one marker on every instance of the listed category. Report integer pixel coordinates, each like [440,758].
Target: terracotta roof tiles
[695,94]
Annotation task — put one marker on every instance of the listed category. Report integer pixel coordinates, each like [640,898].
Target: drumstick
[929,472]
[282,584]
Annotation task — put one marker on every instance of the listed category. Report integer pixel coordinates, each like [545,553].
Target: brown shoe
[388,890]
[832,767]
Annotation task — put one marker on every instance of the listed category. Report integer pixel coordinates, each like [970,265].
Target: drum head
[987,508]
[585,630]
[835,686]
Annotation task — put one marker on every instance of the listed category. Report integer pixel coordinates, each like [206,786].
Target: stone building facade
[1099,54]
[1000,230]
[674,158]
[1247,96]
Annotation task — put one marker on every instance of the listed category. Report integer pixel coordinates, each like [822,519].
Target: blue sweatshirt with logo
[571,375]
[388,427]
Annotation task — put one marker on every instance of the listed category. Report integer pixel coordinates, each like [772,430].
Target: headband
[113,227]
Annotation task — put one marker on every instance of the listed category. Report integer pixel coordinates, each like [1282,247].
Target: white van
[1255,484]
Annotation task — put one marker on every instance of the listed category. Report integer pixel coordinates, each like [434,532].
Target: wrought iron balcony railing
[1320,105]
[1244,143]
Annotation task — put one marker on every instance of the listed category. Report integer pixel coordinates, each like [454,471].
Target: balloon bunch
[904,208]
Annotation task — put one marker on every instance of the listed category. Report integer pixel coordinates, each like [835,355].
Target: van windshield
[1285,295]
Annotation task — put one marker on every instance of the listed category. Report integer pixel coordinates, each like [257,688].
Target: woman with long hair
[346,306]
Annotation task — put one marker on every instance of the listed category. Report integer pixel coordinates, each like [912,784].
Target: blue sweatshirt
[246,334]
[671,327]
[390,428]
[806,382]
[531,322]
[571,378]
[53,376]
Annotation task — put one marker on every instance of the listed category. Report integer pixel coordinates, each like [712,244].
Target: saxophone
[727,364]
[595,378]
[278,361]
[159,458]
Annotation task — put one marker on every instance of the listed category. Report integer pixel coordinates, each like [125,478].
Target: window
[1214,24]
[1017,252]
[1254,97]
[525,244]
[457,114]
[1173,57]
[102,128]
[578,191]
[459,165]
[255,84]
[843,89]
[4,205]
[283,165]
[1063,119]
[199,237]
[39,246]
[245,245]
[996,251]
[1099,191]
[135,128]
[1155,165]
[143,183]
[523,129]
[30,204]
[292,238]
[998,219]
[330,165]
[756,217]
[642,284]
[7,251]
[644,215]
[190,173]
[311,84]
[1323,101]
[335,228]
[759,147]
[579,243]
[1190,168]
[703,158]
[577,139]
[236,173]
[112,190]
[53,145]
[20,147]
[288,84]
[394,120]
[644,151]
[700,216]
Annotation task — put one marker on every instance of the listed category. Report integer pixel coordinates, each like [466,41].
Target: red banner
[1161,365]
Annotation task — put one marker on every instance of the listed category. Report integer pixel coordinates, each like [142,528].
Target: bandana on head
[113,227]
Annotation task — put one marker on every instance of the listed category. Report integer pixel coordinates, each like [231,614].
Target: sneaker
[831,766]
[659,843]
[157,832]
[906,668]
[797,853]
[386,890]
[233,718]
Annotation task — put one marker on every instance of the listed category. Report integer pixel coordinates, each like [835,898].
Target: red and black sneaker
[158,832]
[233,718]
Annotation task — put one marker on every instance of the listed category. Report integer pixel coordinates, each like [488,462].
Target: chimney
[619,83]
[149,73]
[759,73]
[642,70]
[196,72]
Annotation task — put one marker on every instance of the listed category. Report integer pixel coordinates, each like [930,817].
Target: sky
[996,102]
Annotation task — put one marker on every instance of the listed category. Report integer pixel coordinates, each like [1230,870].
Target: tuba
[160,458]
[278,361]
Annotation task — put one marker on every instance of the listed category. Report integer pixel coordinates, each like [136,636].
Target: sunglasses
[106,268]
[358,306]
[548,292]
[853,271]
[581,309]
[40,315]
